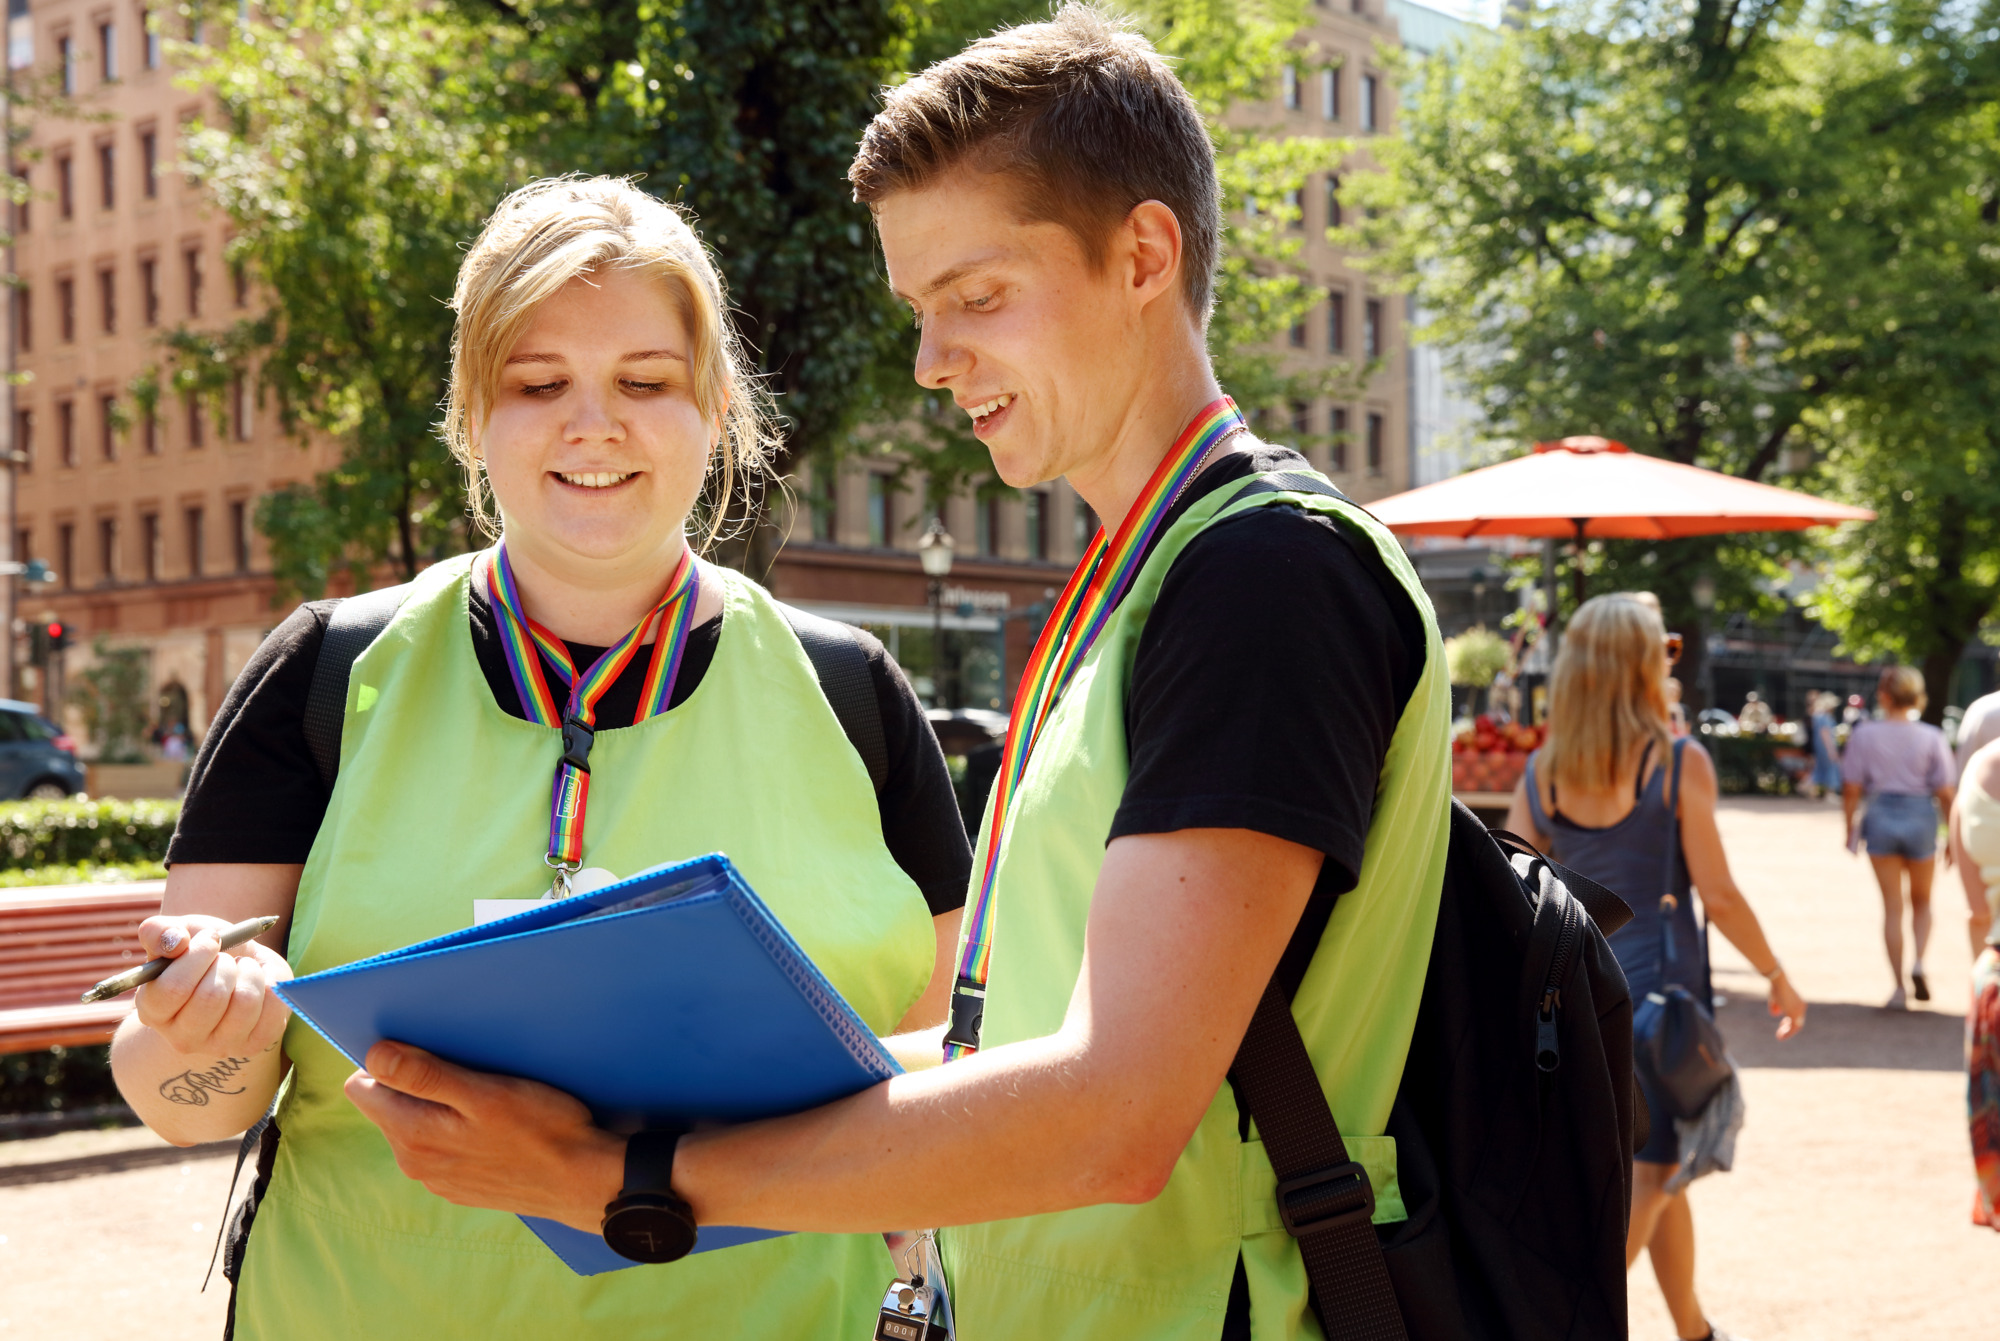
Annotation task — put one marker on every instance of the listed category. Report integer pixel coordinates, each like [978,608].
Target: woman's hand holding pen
[211,1002]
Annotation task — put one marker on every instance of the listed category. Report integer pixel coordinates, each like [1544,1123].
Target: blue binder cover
[672,996]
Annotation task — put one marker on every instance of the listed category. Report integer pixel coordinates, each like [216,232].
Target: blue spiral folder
[673,996]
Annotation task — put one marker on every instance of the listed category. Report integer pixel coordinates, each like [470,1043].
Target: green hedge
[64,833]
[56,1081]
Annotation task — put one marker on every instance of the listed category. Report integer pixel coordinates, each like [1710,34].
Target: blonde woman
[1903,768]
[1615,797]
[595,391]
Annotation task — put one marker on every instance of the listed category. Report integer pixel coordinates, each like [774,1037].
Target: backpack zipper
[1548,1055]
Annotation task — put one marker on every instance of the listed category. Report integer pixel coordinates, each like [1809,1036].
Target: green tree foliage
[1668,224]
[116,704]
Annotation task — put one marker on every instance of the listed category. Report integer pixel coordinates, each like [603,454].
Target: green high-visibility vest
[442,797]
[1161,1271]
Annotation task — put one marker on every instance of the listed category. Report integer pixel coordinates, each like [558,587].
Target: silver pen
[153,968]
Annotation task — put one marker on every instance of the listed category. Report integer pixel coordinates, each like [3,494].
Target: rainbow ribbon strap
[1081,612]
[527,643]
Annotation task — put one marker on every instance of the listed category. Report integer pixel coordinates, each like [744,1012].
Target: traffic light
[58,635]
[38,645]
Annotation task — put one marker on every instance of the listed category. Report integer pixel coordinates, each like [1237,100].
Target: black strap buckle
[577,740]
[1326,1206]
[968,1013]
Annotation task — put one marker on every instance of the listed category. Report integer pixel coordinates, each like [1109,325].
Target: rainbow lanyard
[1080,614]
[527,643]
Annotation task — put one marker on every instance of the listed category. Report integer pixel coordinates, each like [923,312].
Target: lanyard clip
[577,738]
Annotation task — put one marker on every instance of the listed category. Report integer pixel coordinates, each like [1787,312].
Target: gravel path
[1847,1214]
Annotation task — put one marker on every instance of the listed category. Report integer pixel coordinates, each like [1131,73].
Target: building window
[149,431]
[149,23]
[24,319]
[239,402]
[107,301]
[1329,93]
[149,163]
[239,534]
[986,525]
[1295,208]
[192,526]
[24,438]
[192,403]
[1359,6]
[149,289]
[66,431]
[1036,516]
[239,282]
[149,539]
[107,426]
[878,510]
[823,503]
[65,187]
[191,265]
[1336,322]
[1296,336]
[1086,526]
[1336,424]
[107,51]
[1370,85]
[1302,423]
[66,57]
[22,192]
[107,549]
[1289,77]
[1371,329]
[1332,200]
[23,545]
[1375,428]
[107,176]
[66,553]
[66,309]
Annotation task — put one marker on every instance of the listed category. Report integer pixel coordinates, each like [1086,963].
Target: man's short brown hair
[1082,112]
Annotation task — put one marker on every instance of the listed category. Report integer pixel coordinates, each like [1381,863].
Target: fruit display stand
[1487,762]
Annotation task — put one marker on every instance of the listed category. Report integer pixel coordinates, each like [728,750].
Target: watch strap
[649,1162]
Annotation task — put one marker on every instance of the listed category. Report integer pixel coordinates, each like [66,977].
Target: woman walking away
[1613,796]
[1975,842]
[1900,764]
[1825,745]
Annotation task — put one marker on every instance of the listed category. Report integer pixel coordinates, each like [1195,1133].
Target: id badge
[492,910]
[917,1306]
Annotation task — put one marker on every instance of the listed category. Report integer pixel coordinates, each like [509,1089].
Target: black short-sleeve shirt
[254,794]
[1271,674]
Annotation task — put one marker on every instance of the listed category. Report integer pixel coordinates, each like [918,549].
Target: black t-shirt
[254,794]
[1269,679]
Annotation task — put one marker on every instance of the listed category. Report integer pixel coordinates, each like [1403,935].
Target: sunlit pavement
[1847,1213]
[1845,1217]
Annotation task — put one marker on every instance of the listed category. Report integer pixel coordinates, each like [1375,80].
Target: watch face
[649,1233]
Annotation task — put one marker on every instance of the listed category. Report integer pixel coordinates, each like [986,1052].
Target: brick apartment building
[149,525]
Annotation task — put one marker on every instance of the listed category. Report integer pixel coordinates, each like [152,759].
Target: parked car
[37,757]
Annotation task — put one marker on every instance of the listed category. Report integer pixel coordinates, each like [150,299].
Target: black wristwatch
[648,1223]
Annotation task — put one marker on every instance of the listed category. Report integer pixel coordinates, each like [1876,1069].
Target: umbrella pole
[1576,563]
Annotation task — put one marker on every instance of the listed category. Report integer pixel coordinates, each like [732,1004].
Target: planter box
[136,782]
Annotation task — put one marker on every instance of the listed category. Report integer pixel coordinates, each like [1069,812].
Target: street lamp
[934,554]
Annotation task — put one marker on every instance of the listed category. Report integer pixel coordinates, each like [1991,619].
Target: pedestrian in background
[1601,798]
[1904,769]
[1975,840]
[1825,745]
[1980,725]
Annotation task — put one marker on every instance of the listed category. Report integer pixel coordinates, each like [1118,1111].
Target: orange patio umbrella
[1589,487]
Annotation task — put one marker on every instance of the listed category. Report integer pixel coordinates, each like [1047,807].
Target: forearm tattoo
[192,1088]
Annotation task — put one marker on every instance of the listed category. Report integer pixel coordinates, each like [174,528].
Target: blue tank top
[1630,858]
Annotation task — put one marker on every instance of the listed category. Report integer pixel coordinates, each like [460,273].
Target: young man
[1248,766]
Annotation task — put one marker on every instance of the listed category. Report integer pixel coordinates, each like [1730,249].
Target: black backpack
[1514,1122]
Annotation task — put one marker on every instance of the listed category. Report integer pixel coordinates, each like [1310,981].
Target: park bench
[54,943]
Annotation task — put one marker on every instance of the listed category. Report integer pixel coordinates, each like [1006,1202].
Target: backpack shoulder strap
[842,668]
[355,623]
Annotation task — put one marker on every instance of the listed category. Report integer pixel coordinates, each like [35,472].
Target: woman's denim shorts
[1900,825]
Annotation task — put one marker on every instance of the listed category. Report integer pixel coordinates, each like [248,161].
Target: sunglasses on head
[1673,641]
